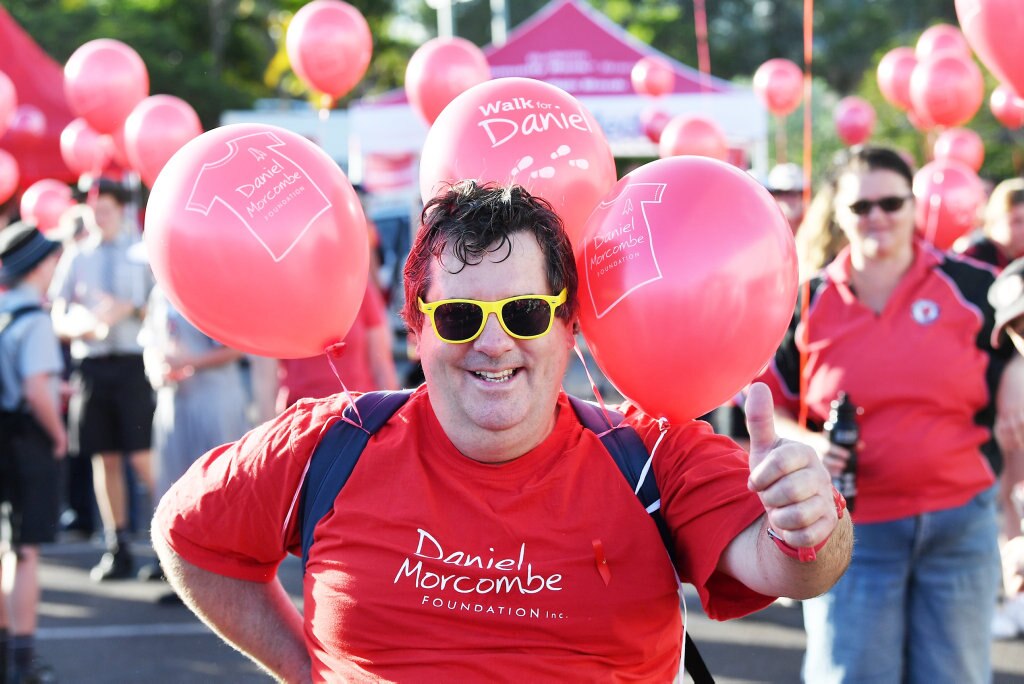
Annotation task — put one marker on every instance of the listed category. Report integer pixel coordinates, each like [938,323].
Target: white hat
[786,178]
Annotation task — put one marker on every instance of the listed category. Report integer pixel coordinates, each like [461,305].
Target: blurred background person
[99,296]
[32,441]
[887,320]
[1002,236]
[200,395]
[365,363]
[786,184]
[819,238]
[1007,297]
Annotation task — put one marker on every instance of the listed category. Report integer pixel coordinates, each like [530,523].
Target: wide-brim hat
[1006,295]
[22,247]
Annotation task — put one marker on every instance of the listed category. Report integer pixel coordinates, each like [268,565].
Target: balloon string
[780,139]
[806,287]
[934,205]
[700,27]
[332,352]
[593,386]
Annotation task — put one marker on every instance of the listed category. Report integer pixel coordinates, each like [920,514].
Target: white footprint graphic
[546,172]
[579,163]
[561,151]
[524,163]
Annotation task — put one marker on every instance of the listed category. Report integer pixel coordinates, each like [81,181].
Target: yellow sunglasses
[525,317]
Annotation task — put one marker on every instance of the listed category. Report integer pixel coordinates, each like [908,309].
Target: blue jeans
[915,605]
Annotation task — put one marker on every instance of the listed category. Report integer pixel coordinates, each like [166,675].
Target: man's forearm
[258,619]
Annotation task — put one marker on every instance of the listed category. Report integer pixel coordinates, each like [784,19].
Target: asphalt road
[117,632]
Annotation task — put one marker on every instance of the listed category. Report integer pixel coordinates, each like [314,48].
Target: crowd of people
[504,525]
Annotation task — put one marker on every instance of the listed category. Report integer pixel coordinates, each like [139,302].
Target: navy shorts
[111,406]
[29,484]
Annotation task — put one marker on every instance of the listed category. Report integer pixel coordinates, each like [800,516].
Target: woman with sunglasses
[904,330]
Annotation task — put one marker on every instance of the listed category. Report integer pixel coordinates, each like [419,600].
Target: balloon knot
[335,349]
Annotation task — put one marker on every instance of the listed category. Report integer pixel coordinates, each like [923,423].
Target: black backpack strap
[336,455]
[630,455]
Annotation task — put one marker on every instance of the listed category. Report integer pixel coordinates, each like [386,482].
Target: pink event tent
[573,46]
[39,81]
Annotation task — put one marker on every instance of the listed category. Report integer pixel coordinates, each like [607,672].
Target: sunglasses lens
[457,321]
[891,204]
[861,207]
[526,317]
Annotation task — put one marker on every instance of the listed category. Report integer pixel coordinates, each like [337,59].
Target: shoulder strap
[336,455]
[630,455]
[6,319]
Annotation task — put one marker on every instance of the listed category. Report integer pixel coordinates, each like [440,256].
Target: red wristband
[808,554]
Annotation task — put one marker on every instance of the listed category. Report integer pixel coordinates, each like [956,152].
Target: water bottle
[842,430]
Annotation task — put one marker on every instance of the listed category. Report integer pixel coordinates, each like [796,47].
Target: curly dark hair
[471,221]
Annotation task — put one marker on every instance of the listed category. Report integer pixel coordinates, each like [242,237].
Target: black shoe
[151,572]
[113,565]
[37,673]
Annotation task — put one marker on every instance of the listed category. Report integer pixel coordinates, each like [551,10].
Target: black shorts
[29,484]
[111,406]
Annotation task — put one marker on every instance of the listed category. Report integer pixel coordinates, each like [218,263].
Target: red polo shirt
[922,370]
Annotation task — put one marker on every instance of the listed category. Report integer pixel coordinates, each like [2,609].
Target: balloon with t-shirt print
[258,238]
[687,283]
[522,131]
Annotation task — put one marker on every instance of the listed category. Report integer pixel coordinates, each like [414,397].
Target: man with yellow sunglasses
[484,534]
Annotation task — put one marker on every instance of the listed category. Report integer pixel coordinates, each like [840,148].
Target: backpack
[6,319]
[338,451]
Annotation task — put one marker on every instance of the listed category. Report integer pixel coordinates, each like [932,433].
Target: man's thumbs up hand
[794,486]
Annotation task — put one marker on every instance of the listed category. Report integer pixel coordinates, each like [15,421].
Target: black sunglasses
[889,205]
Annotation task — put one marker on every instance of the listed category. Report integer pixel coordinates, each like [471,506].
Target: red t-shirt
[313,377]
[435,566]
[923,371]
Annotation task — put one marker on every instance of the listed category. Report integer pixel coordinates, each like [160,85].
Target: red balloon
[8,102]
[259,240]
[653,76]
[27,127]
[894,72]
[993,28]
[155,130]
[947,88]
[687,134]
[44,201]
[103,80]
[9,175]
[962,145]
[524,131]
[329,45]
[440,70]
[653,122]
[778,83]
[117,150]
[1007,107]
[83,149]
[920,121]
[684,283]
[948,198]
[940,38]
[855,120]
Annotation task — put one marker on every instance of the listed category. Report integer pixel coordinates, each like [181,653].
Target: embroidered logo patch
[924,311]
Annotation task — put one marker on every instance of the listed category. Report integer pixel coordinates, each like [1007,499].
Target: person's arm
[38,392]
[1009,432]
[179,367]
[259,619]
[796,491]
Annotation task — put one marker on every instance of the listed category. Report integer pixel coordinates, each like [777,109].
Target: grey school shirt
[28,347]
[96,269]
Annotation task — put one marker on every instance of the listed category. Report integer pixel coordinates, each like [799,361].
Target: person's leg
[111,498]
[953,595]
[856,631]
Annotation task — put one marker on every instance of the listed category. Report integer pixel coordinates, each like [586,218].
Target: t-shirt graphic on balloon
[627,242]
[268,185]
